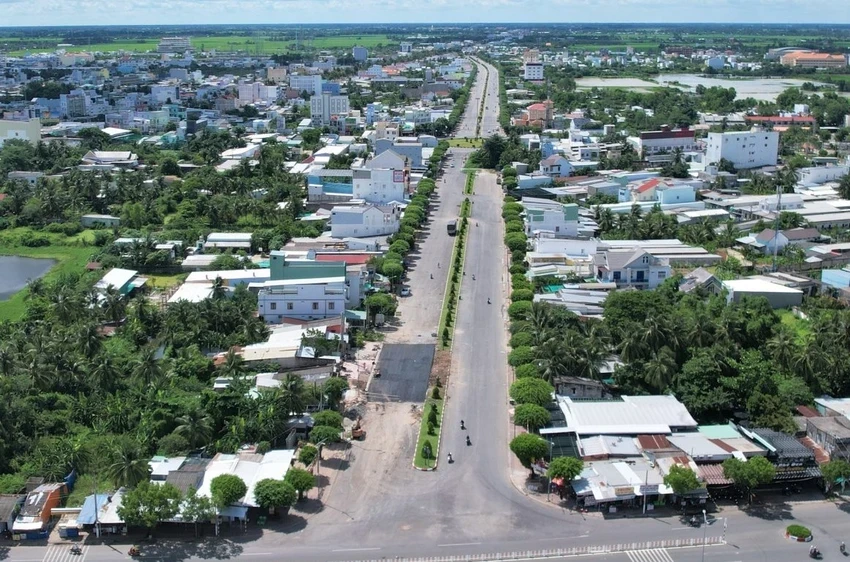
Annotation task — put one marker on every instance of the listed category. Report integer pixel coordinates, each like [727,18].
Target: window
[315,306]
[289,306]
[273,306]
[331,305]
[616,276]
[662,275]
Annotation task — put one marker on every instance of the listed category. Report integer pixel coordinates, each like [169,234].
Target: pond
[15,271]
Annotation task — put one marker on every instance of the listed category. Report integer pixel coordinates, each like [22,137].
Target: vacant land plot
[405,369]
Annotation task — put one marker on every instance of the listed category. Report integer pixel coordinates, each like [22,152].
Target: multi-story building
[808,59]
[164,93]
[744,150]
[174,45]
[73,104]
[405,48]
[28,130]
[363,221]
[656,145]
[550,216]
[310,83]
[533,71]
[302,289]
[324,107]
[381,180]
[632,268]
[276,74]
[359,53]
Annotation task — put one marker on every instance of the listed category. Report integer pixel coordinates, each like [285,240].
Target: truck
[452,228]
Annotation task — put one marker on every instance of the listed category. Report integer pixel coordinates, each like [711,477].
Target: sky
[148,12]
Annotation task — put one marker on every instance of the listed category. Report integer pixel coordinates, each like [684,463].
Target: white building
[822,174]
[363,221]
[325,105]
[164,93]
[405,47]
[174,45]
[533,71]
[381,180]
[311,83]
[666,141]
[744,150]
[550,216]
[304,299]
[29,130]
[360,54]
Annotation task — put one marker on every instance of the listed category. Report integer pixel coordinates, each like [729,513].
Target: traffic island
[445,330]
[798,533]
[430,431]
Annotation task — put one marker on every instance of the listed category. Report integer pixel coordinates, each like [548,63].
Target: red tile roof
[713,474]
[821,456]
[648,185]
[349,259]
[654,442]
[807,412]
[537,106]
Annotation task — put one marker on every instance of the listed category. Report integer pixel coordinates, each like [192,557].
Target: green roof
[724,431]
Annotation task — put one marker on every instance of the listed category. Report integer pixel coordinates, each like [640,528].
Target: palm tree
[113,304]
[232,366]
[89,340]
[632,347]
[783,346]
[701,332]
[195,426]
[292,394]
[147,368]
[660,369]
[128,465]
[35,288]
[7,360]
[104,373]
[219,289]
[552,359]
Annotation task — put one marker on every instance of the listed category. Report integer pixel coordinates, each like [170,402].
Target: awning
[234,512]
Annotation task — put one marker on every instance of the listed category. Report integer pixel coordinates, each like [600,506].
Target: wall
[745,150]
[309,302]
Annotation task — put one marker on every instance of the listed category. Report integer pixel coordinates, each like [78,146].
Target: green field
[224,43]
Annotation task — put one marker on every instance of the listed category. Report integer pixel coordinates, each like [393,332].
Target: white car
[405,292]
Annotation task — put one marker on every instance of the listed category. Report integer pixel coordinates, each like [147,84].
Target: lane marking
[461,544]
[355,549]
[256,554]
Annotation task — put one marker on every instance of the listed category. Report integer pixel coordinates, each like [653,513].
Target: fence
[563,552]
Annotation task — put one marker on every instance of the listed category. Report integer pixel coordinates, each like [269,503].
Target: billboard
[398,176]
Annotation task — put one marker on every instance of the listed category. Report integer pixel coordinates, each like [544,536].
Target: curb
[798,539]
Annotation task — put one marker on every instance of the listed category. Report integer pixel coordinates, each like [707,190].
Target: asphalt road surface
[404,369]
[380,508]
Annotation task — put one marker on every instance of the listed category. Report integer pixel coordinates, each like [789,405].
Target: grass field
[466,143]
[223,43]
[799,326]
[69,259]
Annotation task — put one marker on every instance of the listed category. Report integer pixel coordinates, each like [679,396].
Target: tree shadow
[4,552]
[777,511]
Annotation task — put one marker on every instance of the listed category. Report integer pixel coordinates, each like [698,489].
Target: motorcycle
[451,460]
[814,553]
[461,425]
[133,551]
[76,550]
[468,441]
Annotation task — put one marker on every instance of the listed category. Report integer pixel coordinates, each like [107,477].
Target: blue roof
[87,513]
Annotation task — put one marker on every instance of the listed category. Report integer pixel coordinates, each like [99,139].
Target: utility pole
[776,223]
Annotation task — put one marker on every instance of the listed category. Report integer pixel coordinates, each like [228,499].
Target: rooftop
[631,415]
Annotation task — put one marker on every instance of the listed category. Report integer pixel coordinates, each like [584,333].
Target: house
[363,221]
[28,130]
[701,279]
[660,146]
[580,387]
[794,461]
[627,415]
[381,180]
[831,433]
[556,166]
[546,215]
[664,191]
[768,240]
[777,295]
[92,220]
[228,241]
[828,406]
[118,159]
[632,268]
[10,505]
[303,289]
[35,513]
[744,150]
[119,279]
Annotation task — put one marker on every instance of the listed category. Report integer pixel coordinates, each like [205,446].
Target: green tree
[532,391]
[307,454]
[324,434]
[301,480]
[834,471]
[227,489]
[566,468]
[531,416]
[328,418]
[334,389]
[528,448]
[272,494]
[148,504]
[128,466]
[196,508]
[757,471]
[682,480]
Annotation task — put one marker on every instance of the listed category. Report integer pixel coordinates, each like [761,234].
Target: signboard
[624,490]
[398,176]
[649,489]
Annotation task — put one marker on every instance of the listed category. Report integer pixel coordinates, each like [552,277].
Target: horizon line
[513,24]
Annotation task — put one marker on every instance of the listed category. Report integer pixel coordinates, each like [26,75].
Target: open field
[268,44]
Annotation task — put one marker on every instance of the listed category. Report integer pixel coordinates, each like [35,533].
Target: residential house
[34,516]
[228,241]
[381,180]
[10,505]
[545,215]
[556,166]
[701,279]
[303,289]
[364,221]
[92,220]
[122,280]
[660,146]
[768,240]
[831,433]
[664,191]
[580,387]
[793,461]
[29,130]
[627,415]
[632,268]
[777,295]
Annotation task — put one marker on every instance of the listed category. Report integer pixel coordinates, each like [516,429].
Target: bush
[531,416]
[518,268]
[798,531]
[427,450]
[432,418]
[521,356]
[522,295]
[307,454]
[435,393]
[263,447]
[521,339]
[328,418]
[516,241]
[431,428]
[173,444]
[514,226]
[519,310]
[527,370]
[324,433]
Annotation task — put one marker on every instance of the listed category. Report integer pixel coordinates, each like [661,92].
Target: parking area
[404,370]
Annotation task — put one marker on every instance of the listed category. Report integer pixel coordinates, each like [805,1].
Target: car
[405,292]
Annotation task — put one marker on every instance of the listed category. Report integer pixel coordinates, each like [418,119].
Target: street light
[548,480]
[704,531]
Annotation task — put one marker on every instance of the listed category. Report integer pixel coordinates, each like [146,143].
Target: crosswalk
[650,555]
[62,553]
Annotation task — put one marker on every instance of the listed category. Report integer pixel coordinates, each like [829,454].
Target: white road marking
[461,544]
[651,555]
[355,549]
[255,554]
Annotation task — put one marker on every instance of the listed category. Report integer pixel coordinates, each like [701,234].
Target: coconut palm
[292,394]
[195,426]
[660,369]
[219,289]
[128,466]
[783,346]
[88,340]
[147,368]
